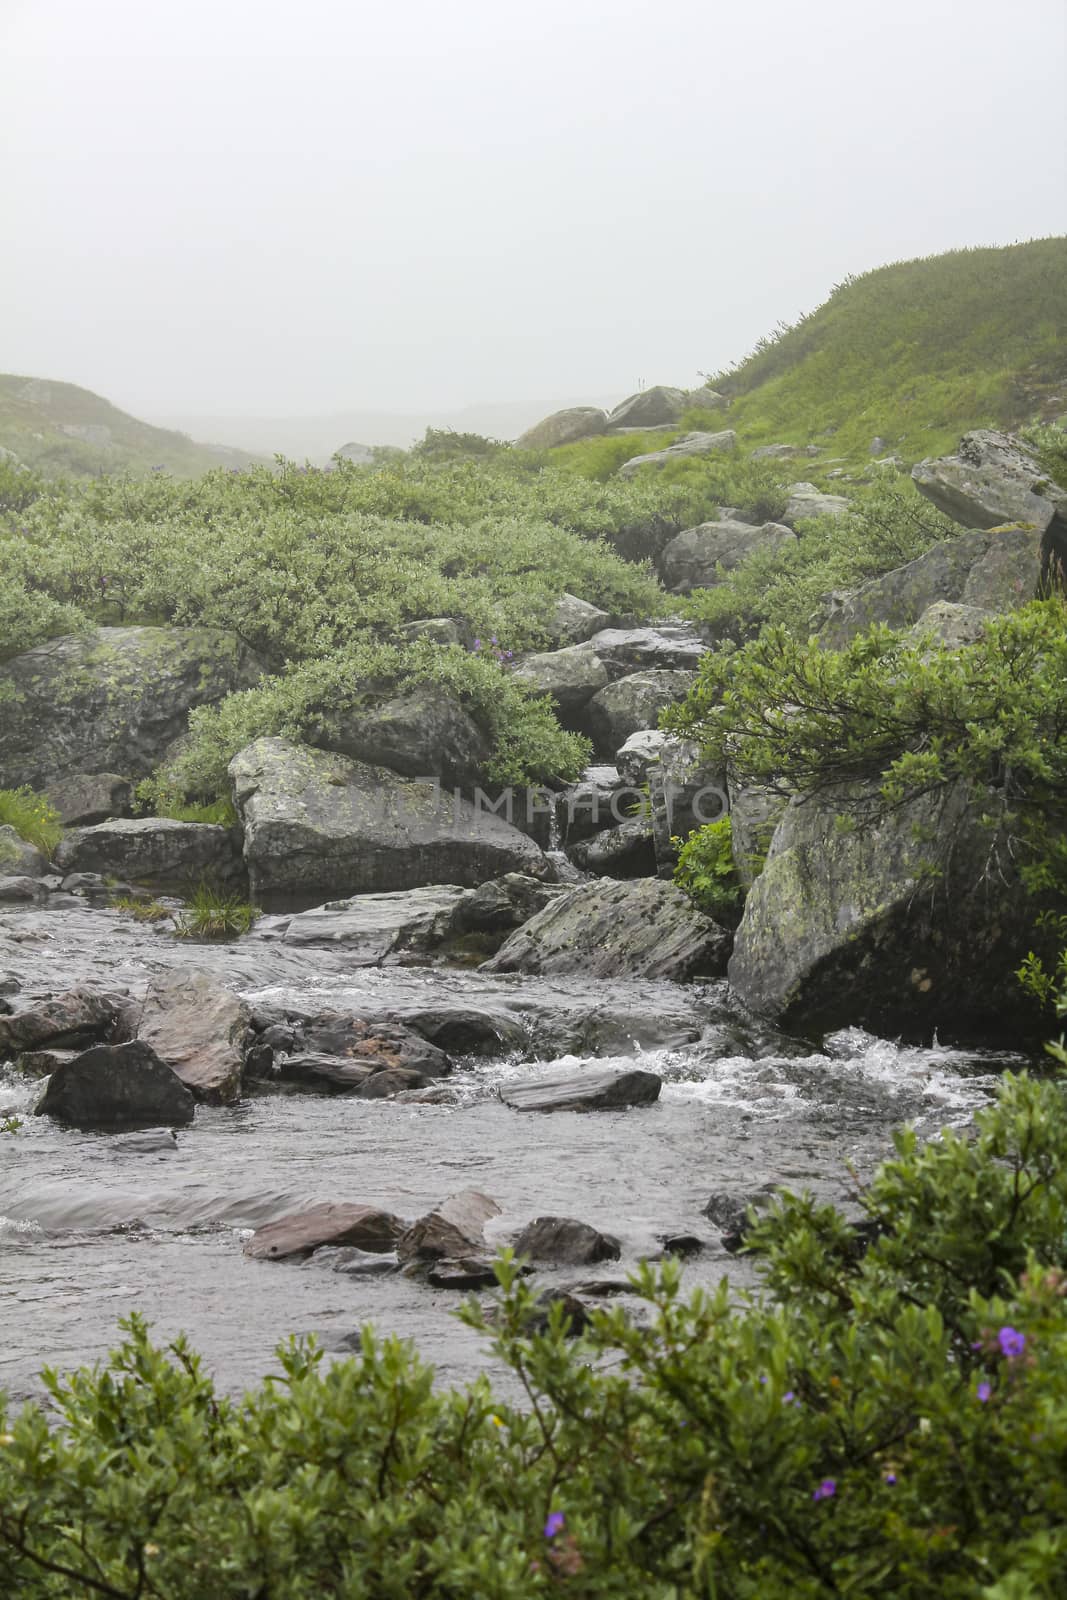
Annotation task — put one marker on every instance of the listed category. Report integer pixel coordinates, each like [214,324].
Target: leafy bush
[32,818]
[889,1417]
[214,913]
[707,874]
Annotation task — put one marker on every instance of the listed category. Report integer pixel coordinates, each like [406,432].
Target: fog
[229,208]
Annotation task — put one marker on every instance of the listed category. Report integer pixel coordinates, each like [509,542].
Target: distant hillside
[59,428]
[914,354]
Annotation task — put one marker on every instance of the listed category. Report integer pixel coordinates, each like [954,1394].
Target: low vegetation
[32,817]
[213,912]
[888,1417]
[706,871]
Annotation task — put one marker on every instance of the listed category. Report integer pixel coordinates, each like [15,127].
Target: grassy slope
[35,416]
[916,353]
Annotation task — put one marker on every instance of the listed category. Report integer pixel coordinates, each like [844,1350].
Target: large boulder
[633,703]
[73,1020]
[589,805]
[317,824]
[899,924]
[698,558]
[380,929]
[685,794]
[116,1086]
[573,621]
[19,859]
[667,646]
[640,929]
[82,798]
[452,1230]
[625,851]
[424,733]
[571,676]
[806,501]
[158,852]
[194,1025]
[995,571]
[563,427]
[564,1241]
[111,700]
[690,444]
[992,479]
[295,1236]
[657,407]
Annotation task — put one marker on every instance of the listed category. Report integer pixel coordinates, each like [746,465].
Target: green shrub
[214,913]
[32,818]
[707,874]
[887,1418]
[140,910]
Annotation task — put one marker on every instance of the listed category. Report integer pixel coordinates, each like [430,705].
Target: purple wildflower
[477,645]
[826,1490]
[984,1391]
[554,1524]
[788,1397]
[1011,1342]
[890,1478]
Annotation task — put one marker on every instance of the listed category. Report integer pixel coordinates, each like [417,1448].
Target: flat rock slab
[596,1089]
[115,1086]
[374,928]
[452,1230]
[566,1242]
[193,1023]
[466,1273]
[366,1227]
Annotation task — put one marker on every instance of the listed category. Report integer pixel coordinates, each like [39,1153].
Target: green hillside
[915,354]
[58,428]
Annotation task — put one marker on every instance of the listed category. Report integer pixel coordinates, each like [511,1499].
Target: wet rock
[806,501]
[116,1085]
[563,427]
[700,557]
[639,754]
[991,571]
[571,677]
[681,1244]
[9,985]
[625,851]
[589,805]
[469,1272]
[684,794]
[631,704]
[690,444]
[592,1089]
[390,1082]
[111,700]
[424,733]
[194,1024]
[154,851]
[640,929]
[454,1229]
[92,885]
[152,1142]
[317,825]
[467,1030]
[379,929]
[315,1051]
[301,1232]
[42,1063]
[352,1262]
[896,924]
[502,904]
[731,1215]
[71,1020]
[22,891]
[84,798]
[574,621]
[667,647]
[992,479]
[19,859]
[657,407]
[576,1317]
[565,1242]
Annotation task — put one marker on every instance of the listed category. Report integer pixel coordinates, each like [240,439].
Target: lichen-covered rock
[900,924]
[624,851]
[633,703]
[19,859]
[381,929]
[994,571]
[194,1024]
[317,825]
[949,624]
[806,501]
[698,558]
[82,798]
[571,676]
[690,444]
[636,758]
[668,646]
[158,852]
[116,1086]
[992,479]
[642,929]
[112,700]
[573,621]
[563,427]
[423,733]
[657,407]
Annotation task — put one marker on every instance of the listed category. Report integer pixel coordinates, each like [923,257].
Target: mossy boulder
[633,703]
[992,479]
[699,557]
[424,733]
[111,700]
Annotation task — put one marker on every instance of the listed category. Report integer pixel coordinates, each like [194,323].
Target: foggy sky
[292,206]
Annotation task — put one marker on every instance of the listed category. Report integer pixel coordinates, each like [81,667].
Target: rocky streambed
[98,1223]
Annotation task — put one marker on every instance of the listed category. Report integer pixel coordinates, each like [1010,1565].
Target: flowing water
[89,1231]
